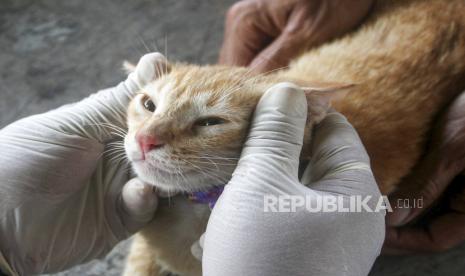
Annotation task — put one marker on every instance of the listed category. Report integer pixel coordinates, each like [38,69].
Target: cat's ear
[149,68]
[320,96]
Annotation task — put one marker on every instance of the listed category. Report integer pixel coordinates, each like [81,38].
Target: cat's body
[166,243]
[408,63]
[409,60]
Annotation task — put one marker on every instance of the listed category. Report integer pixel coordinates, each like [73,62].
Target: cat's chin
[168,182]
[169,188]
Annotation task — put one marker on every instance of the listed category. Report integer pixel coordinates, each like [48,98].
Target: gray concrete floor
[55,52]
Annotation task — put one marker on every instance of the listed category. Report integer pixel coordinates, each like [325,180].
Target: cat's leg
[141,260]
[177,226]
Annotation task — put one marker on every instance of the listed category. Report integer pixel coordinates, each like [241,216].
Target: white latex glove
[65,197]
[241,239]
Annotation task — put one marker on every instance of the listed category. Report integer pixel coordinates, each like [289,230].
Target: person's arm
[67,196]
[429,184]
[254,228]
[267,34]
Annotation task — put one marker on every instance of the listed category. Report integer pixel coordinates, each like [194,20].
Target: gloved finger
[274,143]
[138,204]
[338,153]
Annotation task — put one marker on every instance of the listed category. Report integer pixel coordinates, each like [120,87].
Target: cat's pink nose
[148,142]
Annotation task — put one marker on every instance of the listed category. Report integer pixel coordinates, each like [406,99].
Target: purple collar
[207,197]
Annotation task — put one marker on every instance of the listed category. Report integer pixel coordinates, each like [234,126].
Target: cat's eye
[149,105]
[209,121]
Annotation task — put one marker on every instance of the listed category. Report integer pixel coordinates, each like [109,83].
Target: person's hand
[246,236]
[66,194]
[433,181]
[267,34]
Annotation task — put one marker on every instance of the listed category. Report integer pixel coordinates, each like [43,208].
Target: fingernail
[287,96]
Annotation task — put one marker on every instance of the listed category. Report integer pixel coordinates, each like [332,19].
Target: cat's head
[186,127]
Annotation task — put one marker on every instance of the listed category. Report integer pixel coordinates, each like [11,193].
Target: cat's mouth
[160,176]
[163,169]
[165,164]
[179,178]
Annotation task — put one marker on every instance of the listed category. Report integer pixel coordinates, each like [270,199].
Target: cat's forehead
[194,79]
[199,86]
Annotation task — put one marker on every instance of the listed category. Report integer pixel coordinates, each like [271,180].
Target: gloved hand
[66,193]
[242,239]
[267,34]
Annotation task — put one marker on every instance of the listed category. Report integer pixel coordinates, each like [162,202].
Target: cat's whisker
[208,172]
[113,126]
[206,155]
[118,158]
[116,147]
[117,144]
[211,161]
[218,157]
[116,152]
[94,122]
[166,47]
[220,164]
[127,169]
[118,134]
[155,44]
[135,47]
[117,130]
[179,171]
[195,167]
[112,154]
[217,163]
[113,149]
[143,43]
[247,79]
[108,125]
[213,175]
[229,92]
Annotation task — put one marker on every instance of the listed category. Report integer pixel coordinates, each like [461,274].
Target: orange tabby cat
[407,61]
